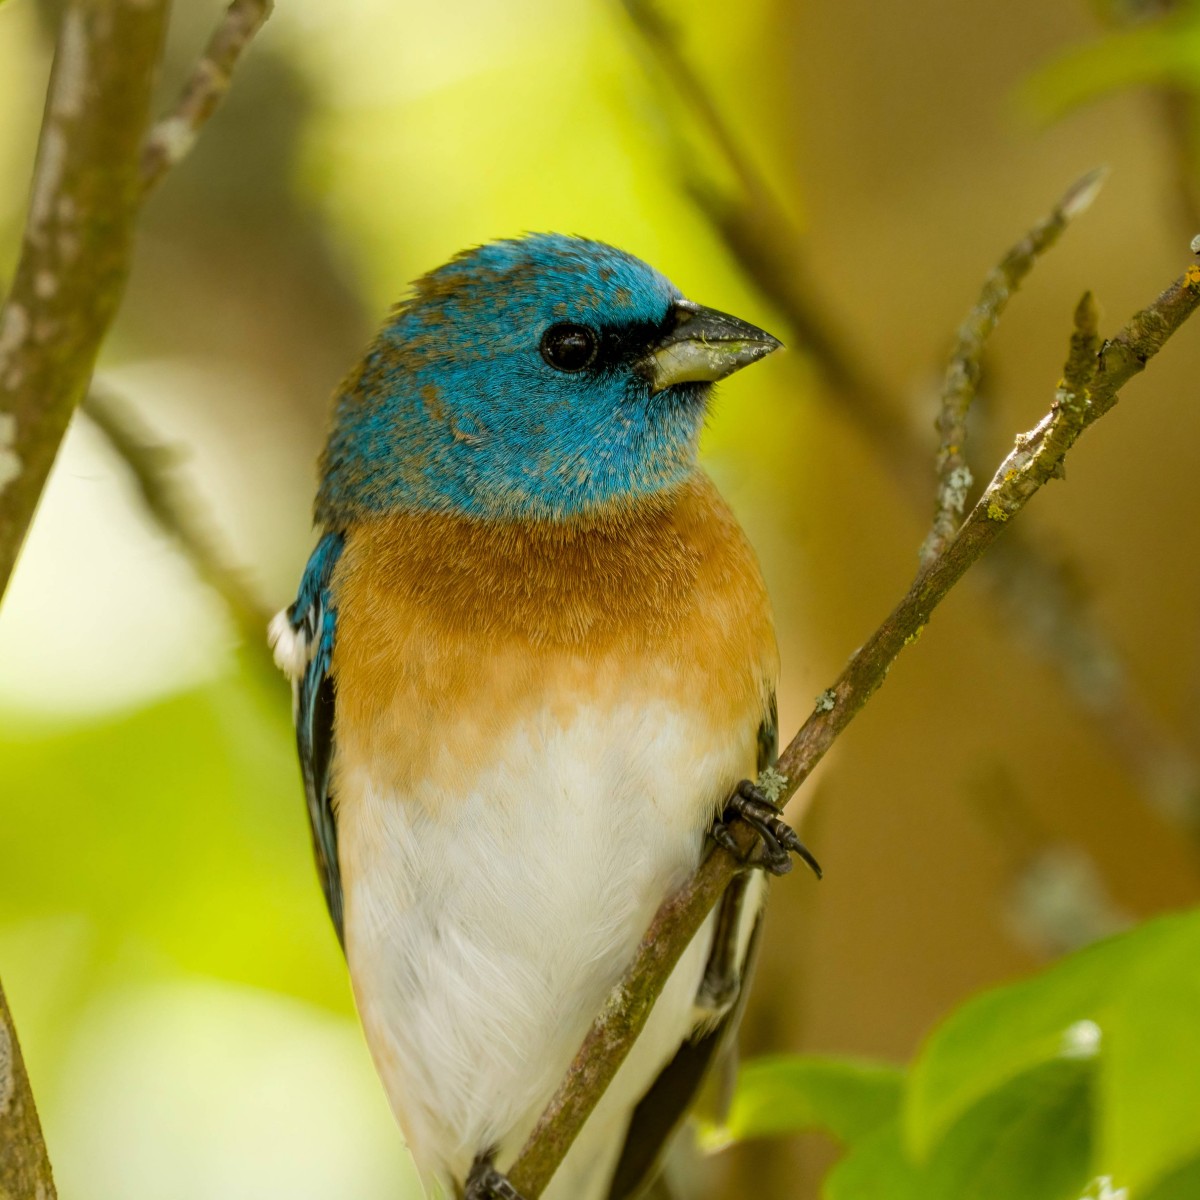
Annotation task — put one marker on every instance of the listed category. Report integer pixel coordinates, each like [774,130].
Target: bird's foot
[486,1183]
[777,840]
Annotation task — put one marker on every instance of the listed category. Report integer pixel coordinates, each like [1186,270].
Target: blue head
[542,377]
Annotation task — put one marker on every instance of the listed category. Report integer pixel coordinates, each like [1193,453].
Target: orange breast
[453,630]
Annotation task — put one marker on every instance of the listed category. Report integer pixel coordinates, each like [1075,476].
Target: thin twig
[180,514]
[1031,591]
[966,360]
[169,141]
[1092,383]
[173,137]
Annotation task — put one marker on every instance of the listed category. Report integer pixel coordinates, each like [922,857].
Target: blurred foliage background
[179,991]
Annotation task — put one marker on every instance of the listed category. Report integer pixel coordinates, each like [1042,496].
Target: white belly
[487,920]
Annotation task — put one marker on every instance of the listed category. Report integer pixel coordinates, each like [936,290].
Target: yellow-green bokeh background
[180,996]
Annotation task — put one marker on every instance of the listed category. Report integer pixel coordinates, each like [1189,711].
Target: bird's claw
[777,839]
[486,1183]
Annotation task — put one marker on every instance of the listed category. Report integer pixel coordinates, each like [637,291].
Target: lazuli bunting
[533,660]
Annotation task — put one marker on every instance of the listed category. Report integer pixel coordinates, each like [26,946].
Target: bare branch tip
[1087,314]
[1081,194]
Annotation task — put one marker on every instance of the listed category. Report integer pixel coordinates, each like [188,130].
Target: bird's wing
[303,637]
[662,1109]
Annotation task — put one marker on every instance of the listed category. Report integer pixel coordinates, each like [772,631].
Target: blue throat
[456,408]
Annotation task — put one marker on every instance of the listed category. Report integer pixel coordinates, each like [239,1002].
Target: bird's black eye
[569,347]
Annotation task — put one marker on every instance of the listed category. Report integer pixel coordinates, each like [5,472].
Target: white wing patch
[289,645]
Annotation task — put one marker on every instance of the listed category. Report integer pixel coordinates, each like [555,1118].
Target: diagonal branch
[1092,381]
[1030,591]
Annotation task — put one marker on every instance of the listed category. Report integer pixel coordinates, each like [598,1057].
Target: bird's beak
[702,346]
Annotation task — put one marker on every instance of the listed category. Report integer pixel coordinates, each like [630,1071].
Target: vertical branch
[78,240]
[70,276]
[94,166]
[24,1164]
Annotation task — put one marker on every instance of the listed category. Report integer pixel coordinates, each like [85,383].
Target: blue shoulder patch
[314,616]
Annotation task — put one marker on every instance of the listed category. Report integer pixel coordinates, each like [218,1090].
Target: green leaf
[876,1169]
[786,1094]
[1180,1185]
[998,1035]
[1149,1118]
[178,828]
[1030,1139]
[1129,1004]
